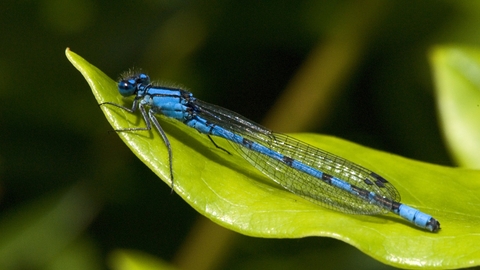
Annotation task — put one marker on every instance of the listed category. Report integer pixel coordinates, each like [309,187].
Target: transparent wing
[296,181]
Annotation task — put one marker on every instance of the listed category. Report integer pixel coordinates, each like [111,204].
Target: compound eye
[143,79]
[127,87]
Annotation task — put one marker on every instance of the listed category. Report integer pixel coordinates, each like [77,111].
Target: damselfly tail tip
[433,225]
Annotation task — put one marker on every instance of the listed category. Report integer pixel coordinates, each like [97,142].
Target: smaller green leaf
[229,191]
[457,79]
[135,260]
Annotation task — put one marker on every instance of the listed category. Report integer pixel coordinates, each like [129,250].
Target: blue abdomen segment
[418,218]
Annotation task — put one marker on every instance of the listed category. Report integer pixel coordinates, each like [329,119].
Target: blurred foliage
[55,138]
[457,79]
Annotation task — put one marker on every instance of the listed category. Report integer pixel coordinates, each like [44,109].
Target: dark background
[71,192]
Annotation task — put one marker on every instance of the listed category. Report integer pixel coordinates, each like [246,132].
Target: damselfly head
[128,84]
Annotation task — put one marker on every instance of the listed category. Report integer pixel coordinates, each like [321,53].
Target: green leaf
[457,77]
[229,191]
